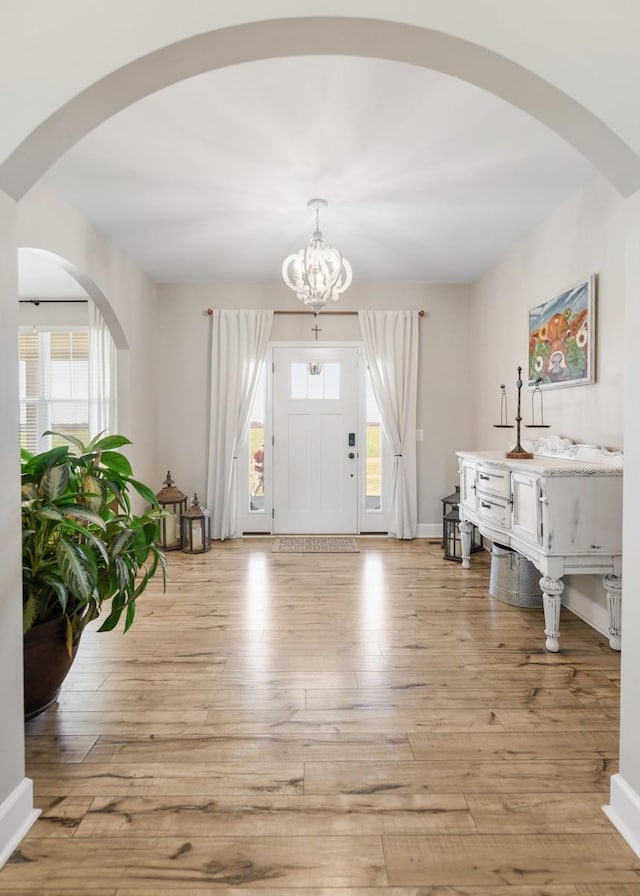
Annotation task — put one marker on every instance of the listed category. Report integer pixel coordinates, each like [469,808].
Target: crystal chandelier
[318,272]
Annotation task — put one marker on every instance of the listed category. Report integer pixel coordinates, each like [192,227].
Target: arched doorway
[91,106]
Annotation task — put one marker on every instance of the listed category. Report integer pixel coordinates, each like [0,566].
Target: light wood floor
[354,724]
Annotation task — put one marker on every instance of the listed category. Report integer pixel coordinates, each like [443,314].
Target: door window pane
[256,447]
[373,468]
[315,380]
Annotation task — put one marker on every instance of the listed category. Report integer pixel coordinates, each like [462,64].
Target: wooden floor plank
[524,747]
[264,748]
[148,778]
[485,860]
[558,775]
[531,813]
[275,816]
[171,861]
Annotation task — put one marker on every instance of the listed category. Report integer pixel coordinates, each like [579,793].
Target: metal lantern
[196,529]
[452,539]
[449,503]
[174,503]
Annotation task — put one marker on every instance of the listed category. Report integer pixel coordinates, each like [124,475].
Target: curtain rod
[37,302]
[324,313]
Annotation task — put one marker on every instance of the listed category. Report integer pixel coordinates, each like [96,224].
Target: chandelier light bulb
[318,273]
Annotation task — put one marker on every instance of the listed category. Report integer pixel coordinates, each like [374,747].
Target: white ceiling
[427,177]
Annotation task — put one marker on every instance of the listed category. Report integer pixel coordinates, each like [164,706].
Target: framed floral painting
[562,338]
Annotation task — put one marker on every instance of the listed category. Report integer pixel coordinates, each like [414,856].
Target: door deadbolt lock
[351,455]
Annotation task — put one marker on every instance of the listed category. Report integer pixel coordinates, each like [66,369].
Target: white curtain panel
[102,376]
[238,348]
[391,341]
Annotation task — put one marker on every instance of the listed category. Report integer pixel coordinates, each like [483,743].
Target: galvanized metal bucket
[514,579]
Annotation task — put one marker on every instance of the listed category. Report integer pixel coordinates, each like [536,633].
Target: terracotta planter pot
[46,664]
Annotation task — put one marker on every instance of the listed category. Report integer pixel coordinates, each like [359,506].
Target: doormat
[291,544]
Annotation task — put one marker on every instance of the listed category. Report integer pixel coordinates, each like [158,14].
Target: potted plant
[84,551]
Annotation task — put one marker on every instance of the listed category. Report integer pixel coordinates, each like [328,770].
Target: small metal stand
[518,452]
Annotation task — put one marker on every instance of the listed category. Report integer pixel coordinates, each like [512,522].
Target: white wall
[444,395]
[46,221]
[53,314]
[624,809]
[15,790]
[582,237]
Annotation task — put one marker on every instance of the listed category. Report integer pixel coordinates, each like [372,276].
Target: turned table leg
[613,587]
[466,529]
[551,594]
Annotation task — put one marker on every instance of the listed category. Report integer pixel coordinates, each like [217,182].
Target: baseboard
[623,811]
[598,621]
[430,530]
[16,817]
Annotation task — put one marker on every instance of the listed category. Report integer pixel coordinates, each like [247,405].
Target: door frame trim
[363,521]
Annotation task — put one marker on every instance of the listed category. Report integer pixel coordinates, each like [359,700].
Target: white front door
[315,450]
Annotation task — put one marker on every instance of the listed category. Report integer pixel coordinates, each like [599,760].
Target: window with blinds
[54,385]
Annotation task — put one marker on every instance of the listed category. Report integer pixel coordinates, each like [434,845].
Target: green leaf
[55,481]
[49,512]
[131,615]
[145,492]
[39,463]
[157,558]
[114,616]
[107,443]
[59,588]
[117,492]
[116,463]
[76,569]
[101,546]
[78,512]
[121,542]
[71,439]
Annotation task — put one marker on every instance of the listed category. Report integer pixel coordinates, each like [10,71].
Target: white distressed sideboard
[562,510]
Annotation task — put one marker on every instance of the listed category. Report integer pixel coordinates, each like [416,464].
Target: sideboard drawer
[493,481]
[468,485]
[494,513]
